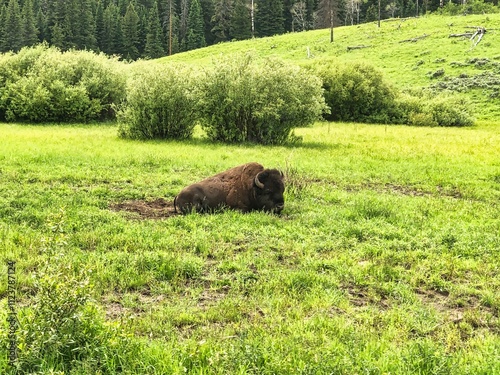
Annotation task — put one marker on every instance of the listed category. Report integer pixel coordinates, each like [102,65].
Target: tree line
[135,29]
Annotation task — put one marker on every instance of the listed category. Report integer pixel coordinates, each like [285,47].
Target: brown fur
[236,189]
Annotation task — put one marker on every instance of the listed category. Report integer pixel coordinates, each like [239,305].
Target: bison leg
[192,199]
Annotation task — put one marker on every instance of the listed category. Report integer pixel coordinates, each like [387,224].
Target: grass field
[385,260]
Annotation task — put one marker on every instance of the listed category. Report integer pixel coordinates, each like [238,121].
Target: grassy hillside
[405,63]
[385,260]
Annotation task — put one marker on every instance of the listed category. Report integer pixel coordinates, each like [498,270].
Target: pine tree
[42,25]
[13,35]
[183,23]
[3,11]
[195,36]
[30,31]
[57,38]
[84,25]
[112,31]
[207,11]
[99,25]
[130,30]
[269,17]
[240,27]
[222,20]
[154,38]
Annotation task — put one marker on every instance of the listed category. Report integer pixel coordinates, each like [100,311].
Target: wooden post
[331,21]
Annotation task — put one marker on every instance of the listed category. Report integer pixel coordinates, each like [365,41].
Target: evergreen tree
[13,31]
[84,25]
[112,31]
[99,25]
[154,38]
[269,18]
[207,11]
[327,9]
[30,31]
[240,27]
[143,29]
[196,35]
[130,30]
[42,25]
[183,23]
[57,38]
[222,20]
[3,11]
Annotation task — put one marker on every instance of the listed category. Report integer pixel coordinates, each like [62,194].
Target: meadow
[385,259]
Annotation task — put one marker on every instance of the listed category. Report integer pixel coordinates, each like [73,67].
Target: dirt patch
[469,310]
[143,210]
[362,296]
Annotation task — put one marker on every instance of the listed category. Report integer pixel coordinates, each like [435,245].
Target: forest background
[151,29]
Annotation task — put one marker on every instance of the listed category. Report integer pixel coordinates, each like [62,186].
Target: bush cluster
[423,108]
[42,84]
[160,103]
[244,100]
[357,92]
[471,7]
[239,99]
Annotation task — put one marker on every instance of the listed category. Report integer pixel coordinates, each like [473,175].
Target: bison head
[268,191]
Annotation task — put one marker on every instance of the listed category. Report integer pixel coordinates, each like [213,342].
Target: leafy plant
[355,92]
[62,325]
[245,100]
[44,84]
[160,103]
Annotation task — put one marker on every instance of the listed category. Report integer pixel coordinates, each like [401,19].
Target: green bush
[244,100]
[160,103]
[450,111]
[355,92]
[424,108]
[471,7]
[41,84]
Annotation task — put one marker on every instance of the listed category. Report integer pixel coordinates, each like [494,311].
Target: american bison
[246,188]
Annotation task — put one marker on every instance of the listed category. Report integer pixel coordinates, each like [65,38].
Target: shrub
[424,108]
[471,7]
[44,84]
[160,103]
[450,111]
[355,92]
[246,100]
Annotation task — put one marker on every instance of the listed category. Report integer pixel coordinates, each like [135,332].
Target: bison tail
[175,205]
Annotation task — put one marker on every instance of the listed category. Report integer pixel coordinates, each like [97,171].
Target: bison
[246,188]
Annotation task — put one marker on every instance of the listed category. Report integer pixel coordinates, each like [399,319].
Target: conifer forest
[135,29]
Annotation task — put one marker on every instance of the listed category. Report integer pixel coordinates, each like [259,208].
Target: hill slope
[408,51]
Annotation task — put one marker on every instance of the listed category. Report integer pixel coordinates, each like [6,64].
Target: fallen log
[413,40]
[465,35]
[350,48]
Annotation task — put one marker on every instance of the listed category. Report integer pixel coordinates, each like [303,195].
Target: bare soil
[146,210]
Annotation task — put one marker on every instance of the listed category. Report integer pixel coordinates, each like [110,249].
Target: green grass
[405,64]
[385,260]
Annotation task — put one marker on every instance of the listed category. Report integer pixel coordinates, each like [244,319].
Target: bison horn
[259,184]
